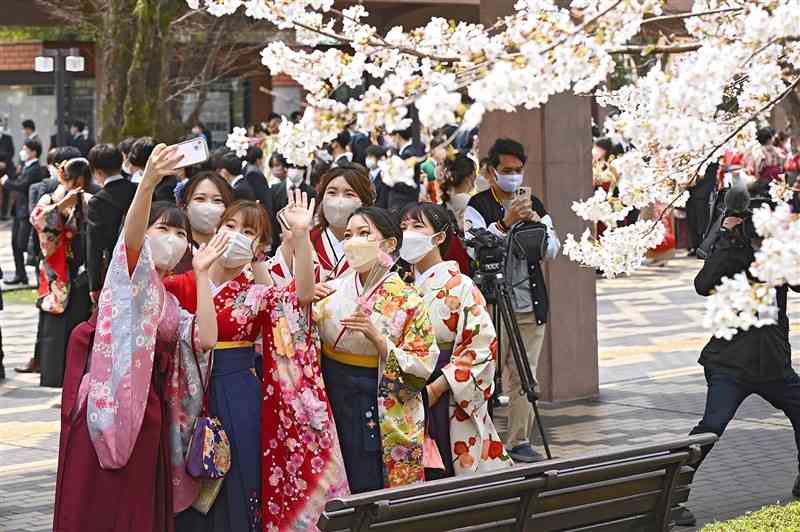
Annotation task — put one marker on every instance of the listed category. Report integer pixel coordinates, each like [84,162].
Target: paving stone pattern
[650,335]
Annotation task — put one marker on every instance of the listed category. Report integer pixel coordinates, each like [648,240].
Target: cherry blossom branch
[649,49]
[681,16]
[735,132]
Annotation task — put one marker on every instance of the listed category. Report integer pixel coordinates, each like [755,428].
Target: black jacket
[7,155]
[759,354]
[21,187]
[279,198]
[492,212]
[82,143]
[243,190]
[165,190]
[104,216]
[258,182]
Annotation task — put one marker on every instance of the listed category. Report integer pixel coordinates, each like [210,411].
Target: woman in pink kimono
[121,465]
[458,392]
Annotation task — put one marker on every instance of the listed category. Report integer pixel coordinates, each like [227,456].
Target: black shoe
[692,253]
[796,488]
[682,516]
[16,280]
[2,372]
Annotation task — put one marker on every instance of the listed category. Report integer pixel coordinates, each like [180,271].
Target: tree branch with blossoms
[705,94]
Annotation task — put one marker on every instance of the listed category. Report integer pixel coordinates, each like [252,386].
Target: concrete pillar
[557,139]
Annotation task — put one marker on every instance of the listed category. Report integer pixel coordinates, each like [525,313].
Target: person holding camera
[500,209]
[755,361]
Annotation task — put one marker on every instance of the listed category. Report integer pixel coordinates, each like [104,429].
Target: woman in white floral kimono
[458,392]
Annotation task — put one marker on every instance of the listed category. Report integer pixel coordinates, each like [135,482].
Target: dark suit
[243,190]
[165,190]
[279,200]
[82,143]
[7,157]
[359,142]
[259,184]
[104,217]
[21,231]
[401,194]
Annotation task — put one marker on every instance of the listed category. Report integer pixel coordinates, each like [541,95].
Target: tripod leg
[518,349]
[539,424]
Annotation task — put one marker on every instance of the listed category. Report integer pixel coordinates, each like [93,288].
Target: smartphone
[194,151]
[524,192]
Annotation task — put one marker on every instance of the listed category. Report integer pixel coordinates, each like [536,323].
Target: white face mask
[239,251]
[24,155]
[167,250]
[458,202]
[509,182]
[372,163]
[361,253]
[204,217]
[126,167]
[295,176]
[136,177]
[415,246]
[338,209]
[481,183]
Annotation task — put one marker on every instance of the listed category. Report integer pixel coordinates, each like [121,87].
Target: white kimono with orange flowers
[458,312]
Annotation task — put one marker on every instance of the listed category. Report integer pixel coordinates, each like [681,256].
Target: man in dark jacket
[6,168]
[32,172]
[105,213]
[756,361]
[229,167]
[279,198]
[256,178]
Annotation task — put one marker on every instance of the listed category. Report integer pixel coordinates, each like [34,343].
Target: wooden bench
[630,489]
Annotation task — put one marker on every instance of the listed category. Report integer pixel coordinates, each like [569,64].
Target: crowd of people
[321,322]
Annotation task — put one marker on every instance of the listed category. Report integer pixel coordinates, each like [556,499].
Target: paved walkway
[652,389]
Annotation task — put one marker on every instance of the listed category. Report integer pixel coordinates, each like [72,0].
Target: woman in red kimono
[343,190]
[295,407]
[121,457]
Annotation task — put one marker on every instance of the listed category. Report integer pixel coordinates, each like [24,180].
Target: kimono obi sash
[350,359]
[231,357]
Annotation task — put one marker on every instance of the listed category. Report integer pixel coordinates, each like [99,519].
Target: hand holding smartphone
[194,151]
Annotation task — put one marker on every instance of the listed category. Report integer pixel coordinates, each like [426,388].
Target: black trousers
[697,215]
[21,233]
[726,393]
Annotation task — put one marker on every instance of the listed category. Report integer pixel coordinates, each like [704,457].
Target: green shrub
[768,519]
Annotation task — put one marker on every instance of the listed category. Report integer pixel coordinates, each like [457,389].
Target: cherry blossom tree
[736,60]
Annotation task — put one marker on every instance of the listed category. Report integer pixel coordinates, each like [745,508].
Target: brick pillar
[557,139]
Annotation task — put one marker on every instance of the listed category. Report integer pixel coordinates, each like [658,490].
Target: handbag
[208,455]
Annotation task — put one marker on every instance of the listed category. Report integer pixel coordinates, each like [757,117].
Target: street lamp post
[60,61]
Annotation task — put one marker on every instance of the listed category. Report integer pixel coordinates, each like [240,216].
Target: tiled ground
[650,335]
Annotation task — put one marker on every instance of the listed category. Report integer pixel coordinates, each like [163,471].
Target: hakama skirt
[235,398]
[353,395]
[134,498]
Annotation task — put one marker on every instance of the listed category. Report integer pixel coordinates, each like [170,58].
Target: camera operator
[755,361]
[499,209]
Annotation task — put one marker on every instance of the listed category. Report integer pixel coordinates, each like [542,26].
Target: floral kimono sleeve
[411,343]
[188,372]
[46,216]
[470,372]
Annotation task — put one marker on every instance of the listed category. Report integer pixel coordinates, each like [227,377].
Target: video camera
[490,251]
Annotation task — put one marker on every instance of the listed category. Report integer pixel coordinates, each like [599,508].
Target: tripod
[496,292]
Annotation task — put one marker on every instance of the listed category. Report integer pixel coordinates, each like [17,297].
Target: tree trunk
[141,107]
[114,35]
